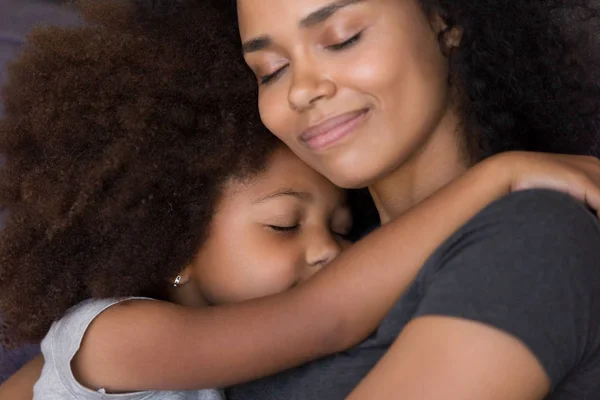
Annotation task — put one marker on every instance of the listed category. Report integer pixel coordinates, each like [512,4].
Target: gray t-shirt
[62,343]
[529,264]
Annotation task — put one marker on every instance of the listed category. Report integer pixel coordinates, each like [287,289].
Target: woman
[335,387]
[404,96]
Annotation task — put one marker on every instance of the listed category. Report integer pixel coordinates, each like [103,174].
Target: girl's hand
[579,176]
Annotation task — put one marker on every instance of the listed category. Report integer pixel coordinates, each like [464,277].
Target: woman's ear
[453,37]
[449,37]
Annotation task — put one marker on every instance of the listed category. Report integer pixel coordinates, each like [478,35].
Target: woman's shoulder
[531,234]
[529,265]
[551,206]
[532,225]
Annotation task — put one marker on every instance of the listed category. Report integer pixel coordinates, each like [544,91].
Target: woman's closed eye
[265,79]
[268,78]
[346,43]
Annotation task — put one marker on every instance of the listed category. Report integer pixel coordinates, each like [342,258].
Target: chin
[351,176]
[353,166]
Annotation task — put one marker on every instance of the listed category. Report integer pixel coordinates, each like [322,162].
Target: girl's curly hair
[117,139]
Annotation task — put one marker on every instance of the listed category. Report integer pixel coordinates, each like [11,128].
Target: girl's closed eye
[287,222]
[344,235]
[284,228]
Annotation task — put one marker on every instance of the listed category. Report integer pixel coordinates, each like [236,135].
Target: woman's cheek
[275,112]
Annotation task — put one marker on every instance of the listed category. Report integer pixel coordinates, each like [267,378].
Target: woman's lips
[333,129]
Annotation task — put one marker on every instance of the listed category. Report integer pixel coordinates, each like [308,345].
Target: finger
[592,197]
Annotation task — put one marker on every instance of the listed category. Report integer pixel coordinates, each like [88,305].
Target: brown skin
[270,234]
[20,385]
[338,303]
[396,64]
[405,147]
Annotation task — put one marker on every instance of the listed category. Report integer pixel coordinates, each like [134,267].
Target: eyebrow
[256,44]
[302,196]
[324,13]
[314,18]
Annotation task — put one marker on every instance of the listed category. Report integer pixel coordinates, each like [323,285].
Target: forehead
[257,15]
[286,171]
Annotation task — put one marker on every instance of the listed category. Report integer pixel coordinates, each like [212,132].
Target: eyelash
[268,78]
[346,43]
[293,228]
[277,228]
[334,47]
[344,236]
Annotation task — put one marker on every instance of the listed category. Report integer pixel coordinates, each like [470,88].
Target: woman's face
[354,87]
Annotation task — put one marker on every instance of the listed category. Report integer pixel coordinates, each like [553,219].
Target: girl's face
[355,88]
[271,233]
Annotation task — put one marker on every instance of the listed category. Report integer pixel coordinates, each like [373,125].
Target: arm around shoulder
[510,309]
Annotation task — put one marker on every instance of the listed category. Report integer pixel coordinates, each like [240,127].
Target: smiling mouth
[332,130]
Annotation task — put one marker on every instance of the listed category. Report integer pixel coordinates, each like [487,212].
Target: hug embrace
[189,185]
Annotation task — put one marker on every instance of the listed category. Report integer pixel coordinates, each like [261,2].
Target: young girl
[137,170]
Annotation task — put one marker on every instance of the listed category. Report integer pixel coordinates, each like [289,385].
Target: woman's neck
[438,162]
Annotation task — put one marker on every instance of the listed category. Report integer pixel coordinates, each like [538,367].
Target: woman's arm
[20,385]
[441,358]
[161,346]
[511,310]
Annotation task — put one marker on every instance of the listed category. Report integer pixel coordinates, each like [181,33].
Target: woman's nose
[308,86]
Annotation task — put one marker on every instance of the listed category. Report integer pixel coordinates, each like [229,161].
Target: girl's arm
[147,345]
[20,385]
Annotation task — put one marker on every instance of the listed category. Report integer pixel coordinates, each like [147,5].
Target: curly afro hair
[118,137]
[527,72]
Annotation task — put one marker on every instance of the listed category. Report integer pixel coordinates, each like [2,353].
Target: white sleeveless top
[62,343]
